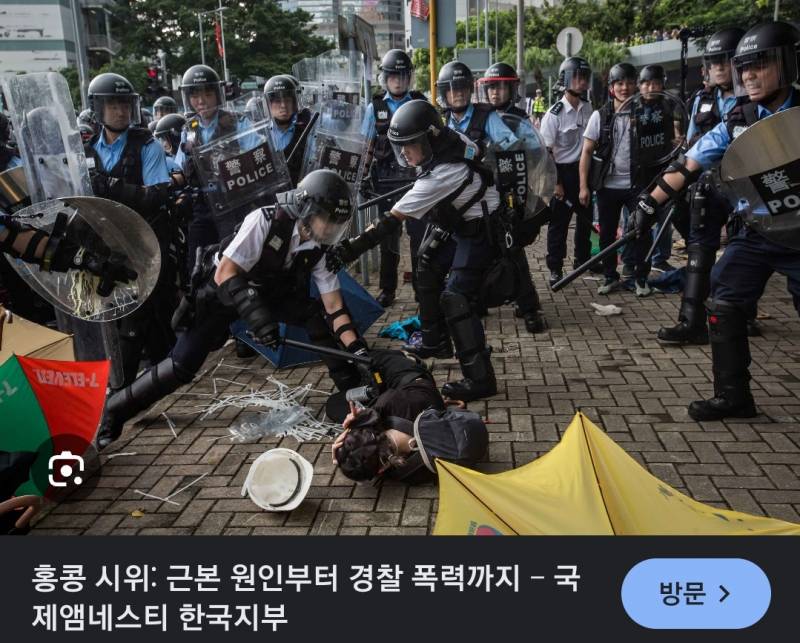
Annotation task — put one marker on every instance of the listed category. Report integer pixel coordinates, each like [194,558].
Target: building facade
[39,35]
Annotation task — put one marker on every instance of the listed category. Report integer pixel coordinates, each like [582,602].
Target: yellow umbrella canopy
[586,485]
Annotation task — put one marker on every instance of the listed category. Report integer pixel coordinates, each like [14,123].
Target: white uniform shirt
[619,172]
[442,181]
[248,244]
[563,132]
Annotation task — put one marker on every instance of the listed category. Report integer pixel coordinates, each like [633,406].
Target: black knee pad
[726,321]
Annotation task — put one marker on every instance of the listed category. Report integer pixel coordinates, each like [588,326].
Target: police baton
[303,136]
[324,350]
[661,230]
[388,195]
[625,238]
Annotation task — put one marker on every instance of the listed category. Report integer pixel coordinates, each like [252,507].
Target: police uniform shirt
[154,160]
[724,105]
[172,166]
[619,172]
[368,124]
[710,148]
[442,181]
[282,137]
[496,130]
[563,132]
[248,244]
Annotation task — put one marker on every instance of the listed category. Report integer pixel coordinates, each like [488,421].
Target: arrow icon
[725,595]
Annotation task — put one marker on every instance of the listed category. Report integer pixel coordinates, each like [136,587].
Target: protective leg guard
[467,332]
[435,339]
[156,383]
[691,327]
[730,353]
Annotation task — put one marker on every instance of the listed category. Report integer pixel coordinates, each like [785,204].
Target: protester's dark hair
[365,454]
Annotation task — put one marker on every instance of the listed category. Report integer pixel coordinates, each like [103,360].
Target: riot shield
[240,171]
[657,123]
[337,142]
[333,75]
[252,106]
[47,133]
[107,229]
[761,169]
[306,72]
[524,171]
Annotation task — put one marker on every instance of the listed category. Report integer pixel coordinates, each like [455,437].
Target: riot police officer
[262,276]
[456,193]
[87,117]
[168,131]
[765,66]
[396,72]
[289,121]
[562,128]
[711,209]
[8,156]
[164,105]
[129,166]
[499,87]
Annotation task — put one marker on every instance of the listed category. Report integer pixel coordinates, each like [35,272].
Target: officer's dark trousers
[609,206]
[562,215]
[415,228]
[202,232]
[466,259]
[210,332]
[390,261]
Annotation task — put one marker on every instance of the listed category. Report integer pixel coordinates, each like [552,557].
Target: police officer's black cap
[413,119]
[396,61]
[198,75]
[723,41]
[165,101]
[329,192]
[109,84]
[455,71]
[170,124]
[621,71]
[501,70]
[652,72]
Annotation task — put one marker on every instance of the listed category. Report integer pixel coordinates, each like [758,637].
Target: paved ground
[610,367]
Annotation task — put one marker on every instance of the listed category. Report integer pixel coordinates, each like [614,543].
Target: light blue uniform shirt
[282,137]
[154,161]
[207,131]
[368,124]
[724,105]
[172,165]
[711,147]
[14,161]
[496,130]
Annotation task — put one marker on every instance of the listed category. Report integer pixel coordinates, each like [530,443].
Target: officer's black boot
[156,383]
[691,327]
[730,353]
[386,298]
[528,306]
[435,339]
[465,327]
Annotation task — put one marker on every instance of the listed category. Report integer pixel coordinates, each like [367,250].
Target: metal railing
[103,41]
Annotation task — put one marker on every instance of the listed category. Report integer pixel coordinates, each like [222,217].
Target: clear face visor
[162,110]
[498,91]
[282,104]
[762,73]
[320,226]
[397,83]
[578,80]
[454,94]
[717,69]
[202,99]
[118,112]
[414,152]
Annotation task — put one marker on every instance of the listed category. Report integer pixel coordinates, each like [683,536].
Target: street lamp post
[200,15]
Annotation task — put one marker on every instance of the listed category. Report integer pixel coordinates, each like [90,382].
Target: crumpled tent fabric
[586,485]
[22,337]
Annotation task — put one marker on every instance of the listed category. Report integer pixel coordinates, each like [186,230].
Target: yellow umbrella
[22,337]
[585,485]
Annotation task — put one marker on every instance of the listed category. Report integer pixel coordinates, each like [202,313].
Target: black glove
[101,185]
[238,292]
[338,256]
[643,217]
[110,266]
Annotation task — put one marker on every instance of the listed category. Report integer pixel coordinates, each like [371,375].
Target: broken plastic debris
[606,310]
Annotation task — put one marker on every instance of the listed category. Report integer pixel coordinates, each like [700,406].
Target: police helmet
[653,72]
[766,44]
[396,62]
[574,68]
[415,122]
[499,74]
[169,127]
[621,72]
[107,89]
[200,78]
[453,75]
[279,87]
[164,105]
[323,203]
